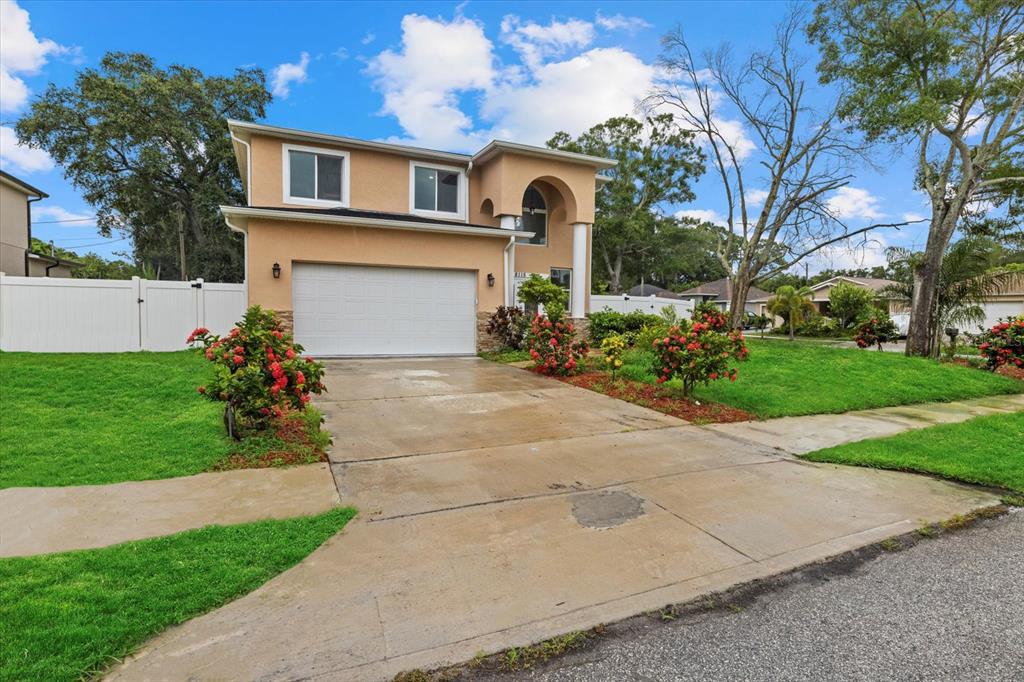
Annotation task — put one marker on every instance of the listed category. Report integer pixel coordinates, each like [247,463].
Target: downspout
[245,254]
[510,276]
[248,169]
[28,219]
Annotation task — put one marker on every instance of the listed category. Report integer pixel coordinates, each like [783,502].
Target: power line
[111,241]
[70,220]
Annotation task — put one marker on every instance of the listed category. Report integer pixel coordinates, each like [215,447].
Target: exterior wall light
[490,279]
[276,270]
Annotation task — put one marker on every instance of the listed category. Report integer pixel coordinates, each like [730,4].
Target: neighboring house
[651,290]
[820,292]
[1008,303]
[16,257]
[372,248]
[719,292]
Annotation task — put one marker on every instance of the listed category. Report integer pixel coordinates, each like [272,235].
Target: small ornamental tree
[848,303]
[1003,344]
[258,371]
[554,347]
[711,315]
[537,290]
[876,331]
[613,347]
[698,356]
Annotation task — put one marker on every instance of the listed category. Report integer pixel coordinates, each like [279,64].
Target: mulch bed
[657,398]
[297,448]
[1010,371]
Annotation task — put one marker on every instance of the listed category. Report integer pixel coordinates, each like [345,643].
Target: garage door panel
[360,310]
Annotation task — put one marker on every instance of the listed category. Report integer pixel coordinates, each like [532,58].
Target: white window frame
[462,199]
[568,306]
[306,201]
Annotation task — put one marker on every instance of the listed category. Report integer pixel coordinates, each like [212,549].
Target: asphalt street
[947,608]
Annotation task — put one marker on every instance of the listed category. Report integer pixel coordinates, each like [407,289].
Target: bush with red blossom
[258,370]
[698,355]
[554,346]
[1003,344]
[711,315]
[875,332]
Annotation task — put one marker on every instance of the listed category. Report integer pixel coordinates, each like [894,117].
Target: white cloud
[368,38]
[570,95]
[19,157]
[756,197]
[421,82]
[284,75]
[341,53]
[840,256]
[910,216]
[854,202]
[57,214]
[619,22]
[535,42]
[704,215]
[21,54]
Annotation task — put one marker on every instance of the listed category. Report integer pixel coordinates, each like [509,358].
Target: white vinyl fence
[651,305]
[60,315]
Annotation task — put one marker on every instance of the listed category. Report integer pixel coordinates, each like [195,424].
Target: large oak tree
[149,149]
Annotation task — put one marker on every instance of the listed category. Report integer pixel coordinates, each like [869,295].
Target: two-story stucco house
[16,255]
[371,248]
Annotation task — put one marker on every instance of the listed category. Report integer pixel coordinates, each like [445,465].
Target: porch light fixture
[276,270]
[490,279]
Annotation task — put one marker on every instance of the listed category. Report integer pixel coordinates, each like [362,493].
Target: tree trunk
[792,335]
[738,301]
[921,332]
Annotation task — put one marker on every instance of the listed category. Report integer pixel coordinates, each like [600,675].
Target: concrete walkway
[499,508]
[42,520]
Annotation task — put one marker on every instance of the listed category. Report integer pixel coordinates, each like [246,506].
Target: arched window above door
[535,216]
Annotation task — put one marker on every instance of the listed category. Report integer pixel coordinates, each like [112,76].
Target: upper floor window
[535,216]
[316,177]
[437,191]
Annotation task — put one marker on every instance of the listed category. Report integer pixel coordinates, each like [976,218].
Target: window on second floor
[438,191]
[316,177]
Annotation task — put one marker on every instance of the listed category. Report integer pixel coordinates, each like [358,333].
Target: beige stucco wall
[13,230]
[286,242]
[377,181]
[37,268]
[503,179]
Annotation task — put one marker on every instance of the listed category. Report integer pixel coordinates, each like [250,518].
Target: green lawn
[506,356]
[68,615]
[83,418]
[986,450]
[782,378]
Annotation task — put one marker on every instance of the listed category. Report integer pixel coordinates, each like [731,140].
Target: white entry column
[508,222]
[579,269]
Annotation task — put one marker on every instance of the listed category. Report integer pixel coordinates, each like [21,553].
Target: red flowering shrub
[712,316]
[258,370]
[1003,344]
[699,355]
[554,346]
[875,332]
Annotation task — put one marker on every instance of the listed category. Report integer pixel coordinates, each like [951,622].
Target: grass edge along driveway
[783,378]
[70,615]
[984,450]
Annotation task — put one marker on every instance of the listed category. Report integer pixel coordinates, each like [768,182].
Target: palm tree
[792,304]
[966,278]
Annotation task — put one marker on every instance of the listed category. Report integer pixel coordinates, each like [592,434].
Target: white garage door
[360,310]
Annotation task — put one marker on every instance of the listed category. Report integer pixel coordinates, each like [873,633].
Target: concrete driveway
[499,508]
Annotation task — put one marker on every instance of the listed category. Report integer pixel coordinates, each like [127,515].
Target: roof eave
[386,223]
[495,146]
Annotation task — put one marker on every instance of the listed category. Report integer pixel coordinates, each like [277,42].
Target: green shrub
[710,314]
[698,356]
[849,303]
[606,322]
[1003,344]
[509,324]
[554,346]
[539,290]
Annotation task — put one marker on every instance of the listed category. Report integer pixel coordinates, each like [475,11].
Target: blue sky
[445,75]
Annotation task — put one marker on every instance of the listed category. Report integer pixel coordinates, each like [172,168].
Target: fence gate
[60,315]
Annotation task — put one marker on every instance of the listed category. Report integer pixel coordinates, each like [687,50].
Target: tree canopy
[148,146]
[656,164]
[948,77]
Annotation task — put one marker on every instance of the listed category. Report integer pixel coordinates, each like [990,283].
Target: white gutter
[245,254]
[386,223]
[248,166]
